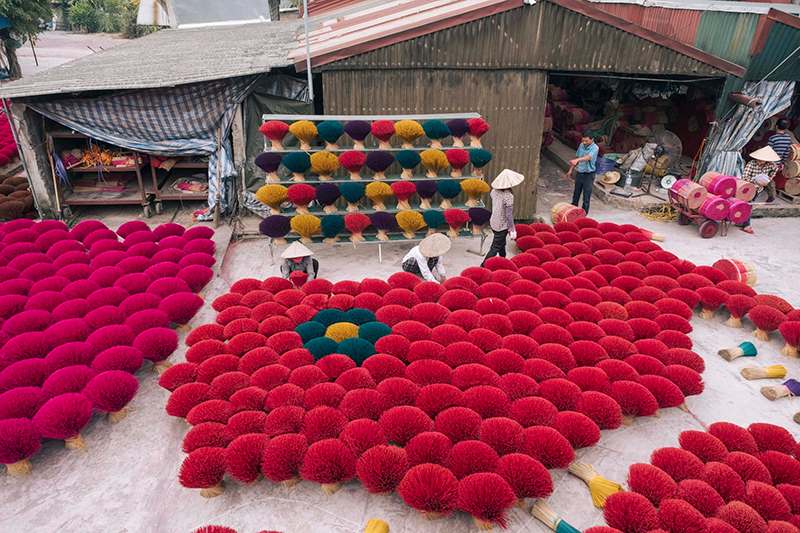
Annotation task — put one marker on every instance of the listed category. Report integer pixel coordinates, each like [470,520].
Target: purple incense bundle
[479,218]
[276,227]
[458,128]
[327,194]
[358,131]
[269,163]
[378,162]
[426,190]
[383,222]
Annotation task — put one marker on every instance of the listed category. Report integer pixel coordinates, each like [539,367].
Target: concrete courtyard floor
[126,481]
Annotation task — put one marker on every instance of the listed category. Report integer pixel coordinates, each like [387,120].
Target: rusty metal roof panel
[727,35]
[678,24]
[546,36]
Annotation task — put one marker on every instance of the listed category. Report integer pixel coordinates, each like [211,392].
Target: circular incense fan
[479,159]
[383,130]
[479,217]
[409,131]
[455,218]
[353,161]
[403,191]
[458,128]
[358,131]
[408,160]
[269,163]
[356,223]
[426,190]
[410,222]
[275,131]
[378,162]
[378,192]
[305,131]
[474,189]
[435,130]
[272,195]
[352,192]
[448,189]
[331,226]
[327,194]
[324,164]
[301,194]
[433,218]
[477,127]
[434,162]
[330,131]
[297,163]
[306,226]
[383,222]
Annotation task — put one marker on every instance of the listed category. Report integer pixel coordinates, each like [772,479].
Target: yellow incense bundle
[599,487]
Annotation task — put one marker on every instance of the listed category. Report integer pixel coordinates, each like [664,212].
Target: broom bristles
[599,487]
[769,372]
[776,392]
[542,512]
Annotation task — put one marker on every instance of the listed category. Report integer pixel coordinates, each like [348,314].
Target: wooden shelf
[168,193]
[130,196]
[104,169]
[372,238]
[60,134]
[268,148]
[287,181]
[317,210]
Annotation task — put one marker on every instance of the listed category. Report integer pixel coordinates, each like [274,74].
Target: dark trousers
[286,269]
[584,181]
[498,246]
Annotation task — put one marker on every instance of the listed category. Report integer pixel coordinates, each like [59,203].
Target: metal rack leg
[380,253]
[271,247]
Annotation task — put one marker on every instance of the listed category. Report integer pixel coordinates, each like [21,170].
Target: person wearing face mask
[502,219]
[297,258]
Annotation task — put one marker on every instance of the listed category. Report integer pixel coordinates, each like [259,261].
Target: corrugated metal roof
[781,41]
[168,57]
[678,24]
[545,36]
[336,39]
[384,24]
[710,5]
[727,35]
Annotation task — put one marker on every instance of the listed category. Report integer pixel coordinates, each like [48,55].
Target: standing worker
[502,219]
[781,141]
[297,258]
[425,259]
[582,170]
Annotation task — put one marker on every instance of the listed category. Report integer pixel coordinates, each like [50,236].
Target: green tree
[97,15]
[27,18]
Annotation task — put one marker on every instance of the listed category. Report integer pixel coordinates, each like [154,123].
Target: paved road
[56,47]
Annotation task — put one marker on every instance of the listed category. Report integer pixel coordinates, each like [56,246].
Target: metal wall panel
[781,42]
[512,101]
[678,24]
[544,36]
[727,35]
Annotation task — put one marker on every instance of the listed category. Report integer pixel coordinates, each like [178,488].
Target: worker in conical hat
[425,259]
[297,258]
[502,219]
[761,170]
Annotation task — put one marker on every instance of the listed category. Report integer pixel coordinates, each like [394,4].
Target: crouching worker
[297,258]
[425,259]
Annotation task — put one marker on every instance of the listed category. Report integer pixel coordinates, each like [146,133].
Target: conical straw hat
[766,154]
[296,249]
[507,179]
[435,245]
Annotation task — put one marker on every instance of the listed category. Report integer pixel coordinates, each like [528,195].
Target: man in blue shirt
[582,169]
[781,141]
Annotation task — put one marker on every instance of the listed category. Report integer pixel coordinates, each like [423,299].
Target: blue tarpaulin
[192,119]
